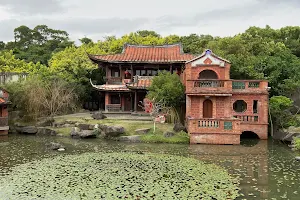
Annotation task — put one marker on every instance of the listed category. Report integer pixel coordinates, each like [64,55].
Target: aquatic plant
[297,143]
[118,176]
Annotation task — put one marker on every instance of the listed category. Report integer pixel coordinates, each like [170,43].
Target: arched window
[239,106]
[208,74]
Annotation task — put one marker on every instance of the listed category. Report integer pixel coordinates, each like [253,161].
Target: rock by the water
[77,133]
[58,124]
[111,131]
[88,134]
[45,122]
[287,135]
[70,122]
[169,134]
[46,131]
[98,115]
[61,149]
[67,125]
[297,158]
[85,127]
[55,146]
[133,138]
[179,127]
[142,131]
[27,129]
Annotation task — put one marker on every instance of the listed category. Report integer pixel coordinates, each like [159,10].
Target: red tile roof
[111,87]
[142,53]
[140,84]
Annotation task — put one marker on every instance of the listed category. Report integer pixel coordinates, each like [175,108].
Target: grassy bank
[178,138]
[130,126]
[297,143]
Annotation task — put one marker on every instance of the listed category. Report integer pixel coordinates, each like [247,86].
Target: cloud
[76,26]
[97,18]
[32,7]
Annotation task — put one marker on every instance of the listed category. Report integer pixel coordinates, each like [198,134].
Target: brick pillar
[135,101]
[107,99]
[122,101]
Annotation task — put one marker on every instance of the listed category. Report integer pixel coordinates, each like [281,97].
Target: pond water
[266,169]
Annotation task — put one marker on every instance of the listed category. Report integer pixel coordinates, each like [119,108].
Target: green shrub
[158,137]
[297,143]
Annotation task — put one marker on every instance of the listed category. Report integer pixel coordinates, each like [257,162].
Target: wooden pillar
[171,69]
[108,73]
[131,103]
[132,73]
[122,101]
[135,101]
[121,74]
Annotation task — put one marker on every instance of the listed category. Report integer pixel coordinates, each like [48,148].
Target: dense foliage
[167,88]
[118,176]
[37,97]
[297,143]
[37,44]
[280,108]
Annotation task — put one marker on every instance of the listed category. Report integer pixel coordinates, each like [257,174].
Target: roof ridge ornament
[208,52]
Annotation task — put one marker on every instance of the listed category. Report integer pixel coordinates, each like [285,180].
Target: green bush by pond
[297,143]
[178,138]
[118,176]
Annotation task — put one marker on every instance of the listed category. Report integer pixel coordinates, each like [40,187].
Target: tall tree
[2,45]
[38,44]
[85,40]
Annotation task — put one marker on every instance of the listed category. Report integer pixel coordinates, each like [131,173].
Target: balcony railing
[113,107]
[209,84]
[3,121]
[213,125]
[114,80]
[225,86]
[247,118]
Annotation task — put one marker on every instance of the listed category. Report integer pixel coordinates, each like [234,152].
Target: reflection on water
[266,169]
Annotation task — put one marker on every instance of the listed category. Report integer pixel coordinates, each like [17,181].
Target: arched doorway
[207,108]
[249,135]
[208,74]
[249,139]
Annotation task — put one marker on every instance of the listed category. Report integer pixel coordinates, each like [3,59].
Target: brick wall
[249,98]
[192,73]
[214,139]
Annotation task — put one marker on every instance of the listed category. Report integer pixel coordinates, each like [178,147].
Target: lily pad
[118,176]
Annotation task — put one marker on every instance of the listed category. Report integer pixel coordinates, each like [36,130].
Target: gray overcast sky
[98,18]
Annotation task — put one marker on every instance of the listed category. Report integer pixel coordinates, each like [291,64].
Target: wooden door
[207,109]
[127,103]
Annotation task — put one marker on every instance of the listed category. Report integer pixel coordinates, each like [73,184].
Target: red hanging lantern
[126,72]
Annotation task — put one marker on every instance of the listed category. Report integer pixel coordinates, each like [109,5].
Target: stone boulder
[55,146]
[169,134]
[288,134]
[179,127]
[30,130]
[45,122]
[297,158]
[98,115]
[110,131]
[58,124]
[142,131]
[133,138]
[77,133]
[46,131]
[86,126]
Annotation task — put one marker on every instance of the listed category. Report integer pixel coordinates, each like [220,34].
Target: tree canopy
[37,44]
[167,88]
